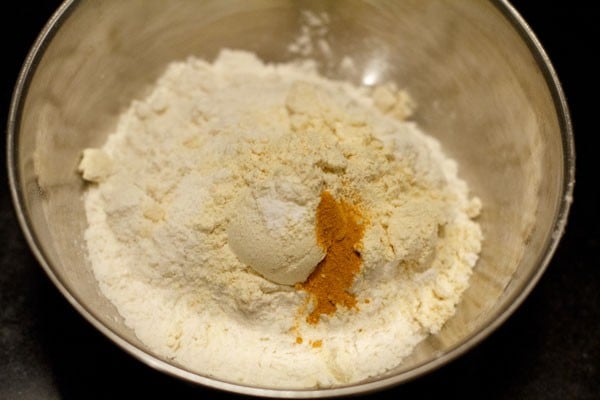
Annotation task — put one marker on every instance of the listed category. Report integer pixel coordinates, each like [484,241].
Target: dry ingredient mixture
[264,225]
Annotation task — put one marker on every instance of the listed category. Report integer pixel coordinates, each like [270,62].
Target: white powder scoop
[275,235]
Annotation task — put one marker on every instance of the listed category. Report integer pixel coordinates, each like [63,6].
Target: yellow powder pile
[339,232]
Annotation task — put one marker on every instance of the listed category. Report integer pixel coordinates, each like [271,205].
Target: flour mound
[223,154]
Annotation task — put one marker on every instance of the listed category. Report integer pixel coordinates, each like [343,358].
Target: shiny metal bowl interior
[483,84]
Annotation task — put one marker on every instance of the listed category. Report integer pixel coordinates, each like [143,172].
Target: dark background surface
[548,349]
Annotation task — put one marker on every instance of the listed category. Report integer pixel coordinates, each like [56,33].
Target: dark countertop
[548,349]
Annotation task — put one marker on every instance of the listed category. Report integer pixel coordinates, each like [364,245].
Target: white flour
[212,137]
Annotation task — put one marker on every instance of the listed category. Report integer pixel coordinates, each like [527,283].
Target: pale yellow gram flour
[221,149]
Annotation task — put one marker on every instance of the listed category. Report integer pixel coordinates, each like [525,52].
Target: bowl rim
[560,219]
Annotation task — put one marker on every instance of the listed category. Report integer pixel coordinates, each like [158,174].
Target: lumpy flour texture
[221,167]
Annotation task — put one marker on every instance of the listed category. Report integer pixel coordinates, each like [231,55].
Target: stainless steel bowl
[484,85]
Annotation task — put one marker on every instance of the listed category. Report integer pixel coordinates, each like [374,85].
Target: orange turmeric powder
[339,232]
